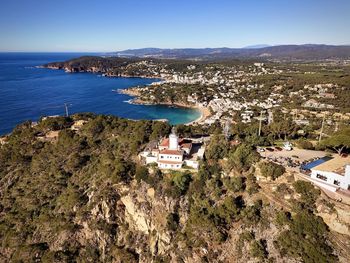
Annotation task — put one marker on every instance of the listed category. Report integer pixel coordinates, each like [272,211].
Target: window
[336,182]
[322,177]
[161,157]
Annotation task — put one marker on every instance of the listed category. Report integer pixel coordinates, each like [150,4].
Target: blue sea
[27,92]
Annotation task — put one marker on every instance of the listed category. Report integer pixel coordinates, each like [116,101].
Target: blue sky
[76,25]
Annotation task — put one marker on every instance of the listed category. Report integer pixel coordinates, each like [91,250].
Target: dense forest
[83,196]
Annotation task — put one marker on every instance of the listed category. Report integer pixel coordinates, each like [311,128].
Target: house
[174,153]
[334,172]
[246,116]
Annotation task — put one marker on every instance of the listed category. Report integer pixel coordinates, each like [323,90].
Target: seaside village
[174,152]
[329,171]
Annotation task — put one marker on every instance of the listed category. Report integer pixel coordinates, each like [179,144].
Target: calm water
[27,92]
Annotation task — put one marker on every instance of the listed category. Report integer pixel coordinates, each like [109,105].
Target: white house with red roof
[174,153]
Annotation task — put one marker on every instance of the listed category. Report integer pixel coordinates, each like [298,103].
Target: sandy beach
[205,113]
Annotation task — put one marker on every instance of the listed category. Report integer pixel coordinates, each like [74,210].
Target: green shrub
[308,192]
[242,158]
[234,184]
[306,239]
[141,173]
[305,144]
[173,221]
[182,181]
[258,249]
[269,169]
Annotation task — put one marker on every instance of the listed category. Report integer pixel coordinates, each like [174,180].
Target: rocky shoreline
[104,72]
[134,92]
[205,112]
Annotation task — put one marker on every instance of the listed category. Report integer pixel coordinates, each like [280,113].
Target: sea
[28,92]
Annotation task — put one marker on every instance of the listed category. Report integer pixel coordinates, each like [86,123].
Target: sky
[103,26]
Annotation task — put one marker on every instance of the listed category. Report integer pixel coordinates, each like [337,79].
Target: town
[266,164]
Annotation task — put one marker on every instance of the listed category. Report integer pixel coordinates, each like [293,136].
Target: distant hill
[282,52]
[257,46]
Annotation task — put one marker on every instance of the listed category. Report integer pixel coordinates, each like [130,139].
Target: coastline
[133,92]
[205,113]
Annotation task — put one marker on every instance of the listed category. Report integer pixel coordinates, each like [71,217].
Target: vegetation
[62,199]
[272,170]
[305,144]
[308,194]
[306,239]
[339,141]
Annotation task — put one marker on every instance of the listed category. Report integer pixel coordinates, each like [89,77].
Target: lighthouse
[173,140]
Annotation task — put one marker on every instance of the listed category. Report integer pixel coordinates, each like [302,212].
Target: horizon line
[173,48]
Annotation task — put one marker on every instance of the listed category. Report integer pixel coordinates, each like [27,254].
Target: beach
[205,112]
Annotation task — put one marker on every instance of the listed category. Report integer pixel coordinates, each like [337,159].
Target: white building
[335,173]
[174,153]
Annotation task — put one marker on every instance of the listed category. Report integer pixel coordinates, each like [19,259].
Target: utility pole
[321,132]
[227,128]
[66,108]
[260,122]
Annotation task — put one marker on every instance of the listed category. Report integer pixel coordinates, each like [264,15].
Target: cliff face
[85,198]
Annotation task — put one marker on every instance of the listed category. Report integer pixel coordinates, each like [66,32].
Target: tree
[182,181]
[242,158]
[217,148]
[305,144]
[308,192]
[338,141]
[273,170]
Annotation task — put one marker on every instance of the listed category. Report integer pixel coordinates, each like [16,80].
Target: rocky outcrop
[145,212]
[337,220]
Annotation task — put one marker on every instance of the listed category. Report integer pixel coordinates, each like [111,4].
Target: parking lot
[292,159]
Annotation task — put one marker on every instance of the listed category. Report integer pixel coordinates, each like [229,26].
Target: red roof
[182,142]
[173,152]
[186,145]
[165,142]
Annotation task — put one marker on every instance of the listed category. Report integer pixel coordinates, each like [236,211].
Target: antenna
[321,132]
[66,108]
[260,120]
[227,130]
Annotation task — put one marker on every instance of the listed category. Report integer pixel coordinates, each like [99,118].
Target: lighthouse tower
[173,140]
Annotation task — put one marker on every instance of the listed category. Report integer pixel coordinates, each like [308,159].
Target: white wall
[170,157]
[193,164]
[169,166]
[151,159]
[344,180]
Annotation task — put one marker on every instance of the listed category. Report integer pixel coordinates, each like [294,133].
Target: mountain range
[281,52]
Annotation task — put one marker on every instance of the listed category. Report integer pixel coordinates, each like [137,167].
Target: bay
[28,92]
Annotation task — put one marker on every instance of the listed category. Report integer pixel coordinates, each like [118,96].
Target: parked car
[278,148]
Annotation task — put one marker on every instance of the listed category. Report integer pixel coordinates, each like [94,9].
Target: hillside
[283,52]
[81,196]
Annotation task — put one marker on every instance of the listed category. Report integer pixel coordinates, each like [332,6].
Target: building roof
[183,143]
[165,142]
[186,145]
[172,152]
[336,165]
